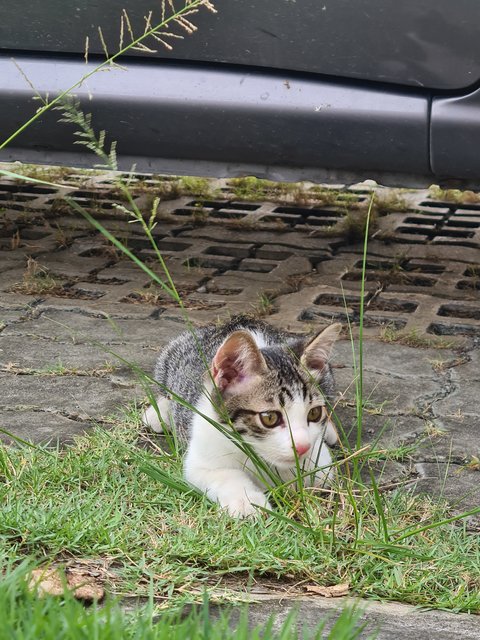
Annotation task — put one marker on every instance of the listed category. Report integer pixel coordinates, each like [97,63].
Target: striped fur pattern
[269,387]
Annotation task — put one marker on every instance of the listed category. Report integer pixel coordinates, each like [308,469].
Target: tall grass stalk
[189,9]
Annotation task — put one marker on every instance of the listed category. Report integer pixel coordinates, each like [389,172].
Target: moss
[391,202]
[199,187]
[48,174]
[453,195]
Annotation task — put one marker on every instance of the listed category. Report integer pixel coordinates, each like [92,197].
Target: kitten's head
[276,396]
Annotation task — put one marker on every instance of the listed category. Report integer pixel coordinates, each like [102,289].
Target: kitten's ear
[237,361]
[317,353]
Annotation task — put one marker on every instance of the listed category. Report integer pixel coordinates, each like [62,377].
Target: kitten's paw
[244,506]
[152,416]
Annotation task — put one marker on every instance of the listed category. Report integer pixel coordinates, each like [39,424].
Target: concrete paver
[392,621]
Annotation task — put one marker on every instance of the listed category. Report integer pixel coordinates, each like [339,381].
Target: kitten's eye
[270,418]
[315,414]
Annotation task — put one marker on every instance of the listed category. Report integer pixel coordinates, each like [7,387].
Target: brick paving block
[448,240]
[285,218]
[211,262]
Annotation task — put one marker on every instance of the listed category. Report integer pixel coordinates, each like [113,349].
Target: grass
[58,369]
[97,500]
[25,616]
[413,338]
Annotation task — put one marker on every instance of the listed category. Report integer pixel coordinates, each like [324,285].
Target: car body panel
[419,43]
[231,116]
[455,136]
[332,91]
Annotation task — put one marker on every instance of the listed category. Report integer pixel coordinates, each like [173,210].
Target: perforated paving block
[302,249]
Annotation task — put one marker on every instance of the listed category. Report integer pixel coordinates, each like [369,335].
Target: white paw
[152,418]
[242,506]
[331,435]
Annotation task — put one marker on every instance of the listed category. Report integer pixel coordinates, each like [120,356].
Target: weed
[250,188]
[389,202]
[432,431]
[474,464]
[62,238]
[58,369]
[37,280]
[49,174]
[15,241]
[413,338]
[265,306]
[352,226]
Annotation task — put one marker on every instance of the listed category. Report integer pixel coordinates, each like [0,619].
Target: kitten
[270,386]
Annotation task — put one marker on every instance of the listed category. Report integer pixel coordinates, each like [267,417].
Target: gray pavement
[384,621]
[66,316]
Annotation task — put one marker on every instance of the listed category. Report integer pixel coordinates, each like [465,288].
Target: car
[324,90]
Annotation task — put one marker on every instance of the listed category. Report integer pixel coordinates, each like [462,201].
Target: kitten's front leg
[231,488]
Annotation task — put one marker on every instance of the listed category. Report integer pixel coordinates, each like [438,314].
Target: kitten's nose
[302,448]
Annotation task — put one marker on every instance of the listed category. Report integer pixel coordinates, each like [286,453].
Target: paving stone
[386,430]
[10,263]
[469,371]
[393,359]
[8,315]
[80,328]
[30,352]
[389,394]
[77,397]
[458,485]
[462,401]
[384,621]
[67,263]
[40,427]
[449,441]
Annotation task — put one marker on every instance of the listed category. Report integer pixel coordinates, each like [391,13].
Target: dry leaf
[52,581]
[335,591]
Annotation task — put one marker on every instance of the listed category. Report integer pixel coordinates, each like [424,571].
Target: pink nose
[302,448]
